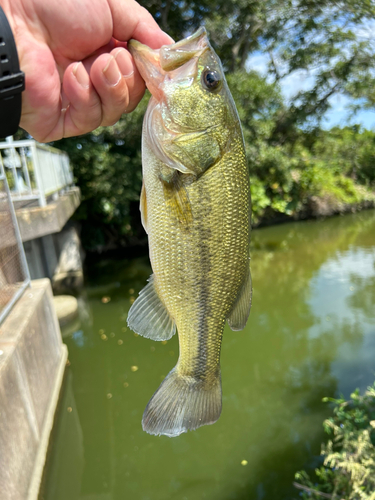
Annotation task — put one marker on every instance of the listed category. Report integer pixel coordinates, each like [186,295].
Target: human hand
[79,74]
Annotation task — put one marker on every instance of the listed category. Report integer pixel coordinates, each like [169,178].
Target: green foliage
[335,165]
[348,470]
[352,149]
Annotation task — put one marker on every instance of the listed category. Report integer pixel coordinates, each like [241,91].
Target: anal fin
[148,315]
[241,308]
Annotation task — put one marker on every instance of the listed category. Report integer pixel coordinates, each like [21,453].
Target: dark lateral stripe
[205,284]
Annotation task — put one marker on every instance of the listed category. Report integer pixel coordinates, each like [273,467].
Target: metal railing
[34,171]
[14,273]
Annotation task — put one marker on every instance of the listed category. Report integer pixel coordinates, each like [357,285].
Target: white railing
[14,272]
[35,171]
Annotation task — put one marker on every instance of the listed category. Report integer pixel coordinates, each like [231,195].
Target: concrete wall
[35,222]
[32,362]
[58,257]
[35,258]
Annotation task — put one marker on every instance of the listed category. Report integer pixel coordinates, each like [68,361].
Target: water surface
[311,334]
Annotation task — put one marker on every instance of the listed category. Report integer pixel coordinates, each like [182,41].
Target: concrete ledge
[40,221]
[32,359]
[66,308]
[48,425]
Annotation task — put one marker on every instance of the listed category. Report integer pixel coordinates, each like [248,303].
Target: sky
[338,114]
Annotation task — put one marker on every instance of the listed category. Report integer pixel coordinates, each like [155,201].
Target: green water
[311,334]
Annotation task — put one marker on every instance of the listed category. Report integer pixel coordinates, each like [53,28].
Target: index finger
[130,20]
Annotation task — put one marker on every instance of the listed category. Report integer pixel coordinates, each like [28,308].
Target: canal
[311,334]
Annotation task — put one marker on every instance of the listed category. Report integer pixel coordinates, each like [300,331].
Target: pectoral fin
[148,315]
[143,207]
[177,200]
[241,309]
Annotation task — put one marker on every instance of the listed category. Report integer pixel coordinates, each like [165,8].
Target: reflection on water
[311,334]
[343,301]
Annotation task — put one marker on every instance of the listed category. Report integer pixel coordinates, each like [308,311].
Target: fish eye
[211,80]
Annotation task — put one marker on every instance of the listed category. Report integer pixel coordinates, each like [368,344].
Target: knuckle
[108,122]
[85,122]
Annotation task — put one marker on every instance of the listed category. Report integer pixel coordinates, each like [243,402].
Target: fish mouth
[154,64]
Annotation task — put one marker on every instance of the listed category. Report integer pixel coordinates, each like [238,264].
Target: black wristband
[12,80]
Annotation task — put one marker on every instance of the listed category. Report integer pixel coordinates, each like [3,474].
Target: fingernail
[124,63]
[171,39]
[111,72]
[81,75]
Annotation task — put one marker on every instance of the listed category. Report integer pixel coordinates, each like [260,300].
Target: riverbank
[317,207]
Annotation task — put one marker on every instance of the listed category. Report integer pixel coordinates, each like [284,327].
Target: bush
[348,471]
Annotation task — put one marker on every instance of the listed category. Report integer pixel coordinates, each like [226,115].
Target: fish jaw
[154,65]
[176,55]
[148,63]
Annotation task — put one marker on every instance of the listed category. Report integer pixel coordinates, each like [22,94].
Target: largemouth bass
[195,207]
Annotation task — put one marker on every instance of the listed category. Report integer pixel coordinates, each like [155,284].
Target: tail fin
[182,403]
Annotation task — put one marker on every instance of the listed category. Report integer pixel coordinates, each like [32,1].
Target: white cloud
[258,61]
[296,82]
[290,85]
[366,30]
